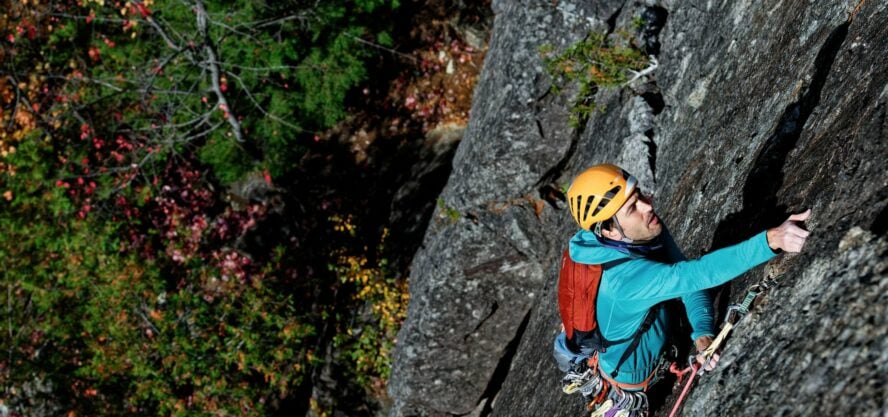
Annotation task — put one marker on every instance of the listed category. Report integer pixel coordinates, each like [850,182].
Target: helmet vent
[575,211]
[606,199]
[588,206]
[601,205]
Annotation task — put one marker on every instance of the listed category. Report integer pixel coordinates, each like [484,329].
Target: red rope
[680,373]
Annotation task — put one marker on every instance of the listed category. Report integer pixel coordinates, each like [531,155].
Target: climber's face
[637,219]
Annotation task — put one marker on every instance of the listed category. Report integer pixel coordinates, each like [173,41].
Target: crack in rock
[502,369]
[760,208]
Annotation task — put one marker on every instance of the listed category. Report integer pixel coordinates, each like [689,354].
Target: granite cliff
[756,110]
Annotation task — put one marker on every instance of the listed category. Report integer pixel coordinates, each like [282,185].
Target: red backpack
[577,294]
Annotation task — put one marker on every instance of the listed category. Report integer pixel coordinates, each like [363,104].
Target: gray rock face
[756,110]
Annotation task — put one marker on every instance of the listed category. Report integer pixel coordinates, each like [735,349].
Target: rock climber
[642,268]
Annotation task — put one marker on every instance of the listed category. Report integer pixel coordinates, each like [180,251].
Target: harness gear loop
[602,409]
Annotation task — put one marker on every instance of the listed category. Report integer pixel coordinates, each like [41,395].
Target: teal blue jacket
[630,289]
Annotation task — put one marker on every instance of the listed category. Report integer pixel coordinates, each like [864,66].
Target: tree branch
[11,124]
[378,46]
[163,34]
[214,71]
[259,107]
[638,74]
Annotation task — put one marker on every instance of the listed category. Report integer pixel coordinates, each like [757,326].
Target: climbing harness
[736,313]
[620,403]
[608,397]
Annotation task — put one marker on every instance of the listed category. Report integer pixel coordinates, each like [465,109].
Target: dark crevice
[612,20]
[502,368]
[654,19]
[760,202]
[553,195]
[652,152]
[655,100]
[880,224]
[493,309]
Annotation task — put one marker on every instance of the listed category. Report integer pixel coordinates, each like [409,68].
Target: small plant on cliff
[450,212]
[597,61]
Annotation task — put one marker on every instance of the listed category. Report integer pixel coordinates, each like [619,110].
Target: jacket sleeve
[699,308]
[645,283]
[698,304]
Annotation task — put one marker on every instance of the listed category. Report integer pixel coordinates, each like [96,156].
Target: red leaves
[224,110]
[443,91]
[144,11]
[94,54]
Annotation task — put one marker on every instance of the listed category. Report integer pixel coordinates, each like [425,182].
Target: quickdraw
[736,313]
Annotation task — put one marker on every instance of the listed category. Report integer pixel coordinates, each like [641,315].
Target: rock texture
[756,110]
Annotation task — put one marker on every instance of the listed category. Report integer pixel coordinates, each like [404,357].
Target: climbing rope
[736,313]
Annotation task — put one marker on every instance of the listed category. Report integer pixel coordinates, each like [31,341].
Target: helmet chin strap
[623,237]
[622,233]
[630,246]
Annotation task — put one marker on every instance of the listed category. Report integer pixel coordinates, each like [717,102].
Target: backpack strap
[610,264]
[636,338]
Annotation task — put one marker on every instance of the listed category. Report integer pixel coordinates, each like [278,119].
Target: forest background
[196,198]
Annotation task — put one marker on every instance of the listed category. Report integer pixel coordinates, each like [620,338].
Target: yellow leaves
[343,224]
[156,315]
[316,408]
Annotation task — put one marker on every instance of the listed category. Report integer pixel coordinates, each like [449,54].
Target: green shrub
[597,61]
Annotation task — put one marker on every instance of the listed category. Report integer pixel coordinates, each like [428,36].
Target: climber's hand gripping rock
[789,237]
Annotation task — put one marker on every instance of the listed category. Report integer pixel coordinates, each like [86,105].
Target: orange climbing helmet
[598,193]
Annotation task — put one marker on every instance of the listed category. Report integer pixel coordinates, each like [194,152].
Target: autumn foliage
[142,147]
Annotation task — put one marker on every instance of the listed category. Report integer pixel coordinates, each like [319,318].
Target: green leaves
[598,61]
[121,264]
